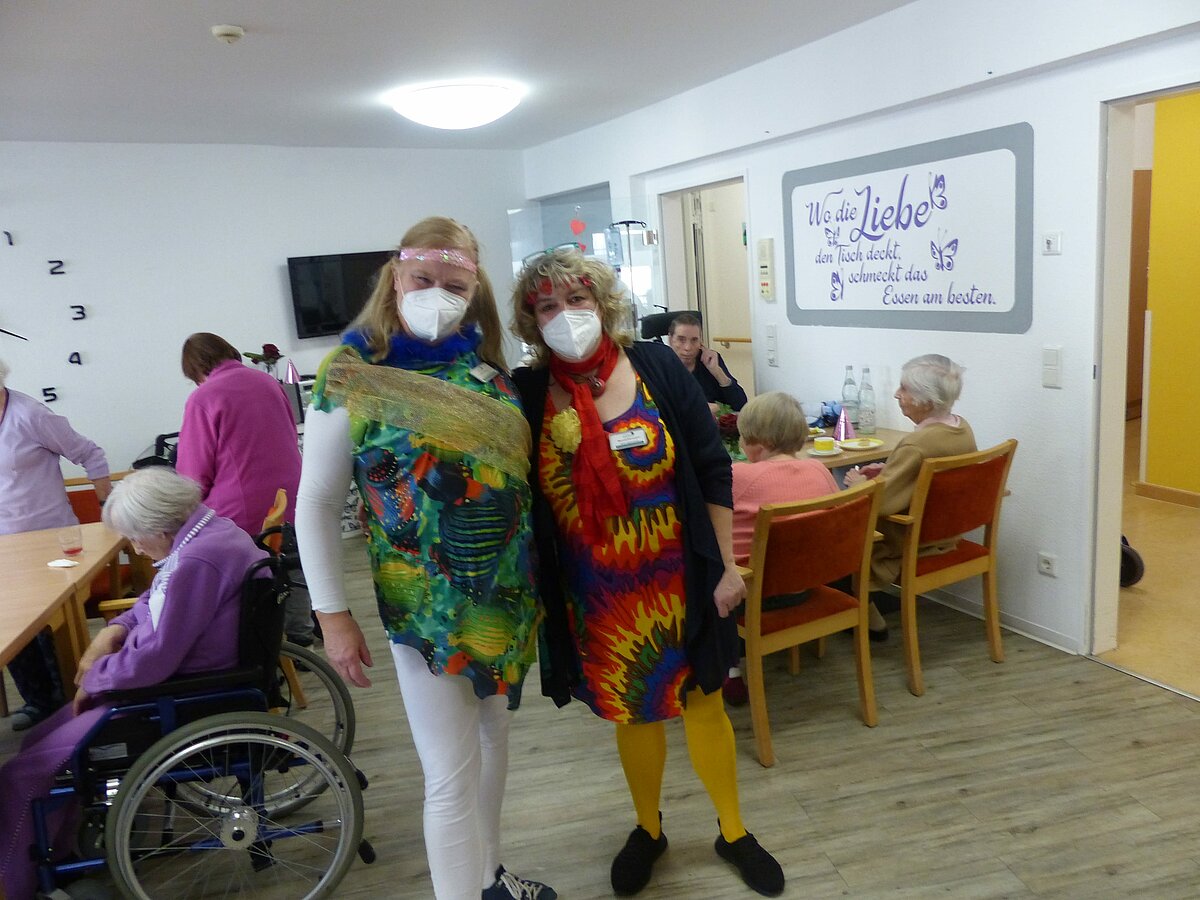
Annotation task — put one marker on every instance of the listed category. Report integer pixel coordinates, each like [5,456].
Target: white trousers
[462,742]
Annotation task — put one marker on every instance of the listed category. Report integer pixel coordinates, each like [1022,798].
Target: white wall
[160,241]
[929,70]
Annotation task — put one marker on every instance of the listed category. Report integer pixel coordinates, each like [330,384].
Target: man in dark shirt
[706,364]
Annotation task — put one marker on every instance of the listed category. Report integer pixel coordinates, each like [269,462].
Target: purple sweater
[32,439]
[198,626]
[238,441]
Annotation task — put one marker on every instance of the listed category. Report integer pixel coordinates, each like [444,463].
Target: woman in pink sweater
[773,430]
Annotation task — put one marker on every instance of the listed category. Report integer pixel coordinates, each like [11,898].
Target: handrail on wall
[726,341]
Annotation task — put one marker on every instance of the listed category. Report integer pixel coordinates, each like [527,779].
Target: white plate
[861,444]
[834,452]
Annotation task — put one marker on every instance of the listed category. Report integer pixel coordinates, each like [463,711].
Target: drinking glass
[70,540]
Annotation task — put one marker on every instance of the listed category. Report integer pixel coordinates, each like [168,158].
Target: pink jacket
[238,441]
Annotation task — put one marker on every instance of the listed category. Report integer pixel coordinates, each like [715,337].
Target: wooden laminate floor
[1046,776]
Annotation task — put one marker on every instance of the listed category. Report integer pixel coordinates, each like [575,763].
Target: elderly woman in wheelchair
[175,799]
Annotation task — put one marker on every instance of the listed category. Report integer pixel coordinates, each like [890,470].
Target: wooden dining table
[34,595]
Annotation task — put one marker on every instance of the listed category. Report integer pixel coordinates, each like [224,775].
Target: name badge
[631,437]
[483,372]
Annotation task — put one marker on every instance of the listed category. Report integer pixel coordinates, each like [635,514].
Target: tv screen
[328,291]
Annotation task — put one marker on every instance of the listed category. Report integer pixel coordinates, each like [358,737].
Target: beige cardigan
[903,465]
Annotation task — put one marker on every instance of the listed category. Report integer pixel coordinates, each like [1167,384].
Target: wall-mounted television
[328,291]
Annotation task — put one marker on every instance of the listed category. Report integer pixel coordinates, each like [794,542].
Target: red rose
[271,353]
[728,425]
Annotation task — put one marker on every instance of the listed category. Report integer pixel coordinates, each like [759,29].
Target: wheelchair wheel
[326,707]
[329,708]
[159,846]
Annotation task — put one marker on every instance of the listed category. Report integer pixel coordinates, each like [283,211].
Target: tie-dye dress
[625,594]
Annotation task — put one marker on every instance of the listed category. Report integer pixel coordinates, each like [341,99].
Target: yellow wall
[1173,421]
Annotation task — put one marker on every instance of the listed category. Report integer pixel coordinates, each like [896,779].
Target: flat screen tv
[328,291]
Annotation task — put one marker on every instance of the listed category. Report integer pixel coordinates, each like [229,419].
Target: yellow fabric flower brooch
[565,430]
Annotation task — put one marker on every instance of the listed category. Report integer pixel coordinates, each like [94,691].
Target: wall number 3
[80,313]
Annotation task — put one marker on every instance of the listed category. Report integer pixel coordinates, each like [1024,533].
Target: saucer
[834,452]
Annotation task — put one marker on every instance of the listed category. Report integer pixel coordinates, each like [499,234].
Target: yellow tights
[643,752]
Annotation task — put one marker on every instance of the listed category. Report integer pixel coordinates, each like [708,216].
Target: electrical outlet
[1048,564]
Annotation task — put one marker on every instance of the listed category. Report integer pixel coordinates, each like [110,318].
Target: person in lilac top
[32,497]
[186,622]
[238,442]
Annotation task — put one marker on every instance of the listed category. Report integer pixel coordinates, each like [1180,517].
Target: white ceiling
[310,72]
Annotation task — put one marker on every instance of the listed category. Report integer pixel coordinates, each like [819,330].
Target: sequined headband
[446,255]
[545,287]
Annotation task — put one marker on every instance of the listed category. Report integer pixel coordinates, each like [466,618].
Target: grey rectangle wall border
[1018,140]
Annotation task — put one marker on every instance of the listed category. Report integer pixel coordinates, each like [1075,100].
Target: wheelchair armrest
[188,684]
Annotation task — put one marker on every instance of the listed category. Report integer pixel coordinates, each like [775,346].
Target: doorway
[1146,629]
[706,267]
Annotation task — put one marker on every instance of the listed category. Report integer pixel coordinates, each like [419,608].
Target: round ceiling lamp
[456,104]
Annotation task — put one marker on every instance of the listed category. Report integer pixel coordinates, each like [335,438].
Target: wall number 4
[75,359]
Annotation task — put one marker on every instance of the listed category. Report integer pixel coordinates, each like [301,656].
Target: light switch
[772,337]
[1052,243]
[1052,367]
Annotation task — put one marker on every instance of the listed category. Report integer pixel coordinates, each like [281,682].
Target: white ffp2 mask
[432,314]
[573,334]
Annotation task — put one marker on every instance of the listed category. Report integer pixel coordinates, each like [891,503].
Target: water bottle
[866,404]
[850,396]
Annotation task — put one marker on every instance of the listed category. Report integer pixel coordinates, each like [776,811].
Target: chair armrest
[878,536]
[899,519]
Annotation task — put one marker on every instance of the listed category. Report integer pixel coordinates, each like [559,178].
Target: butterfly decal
[937,190]
[835,281]
[831,236]
[944,254]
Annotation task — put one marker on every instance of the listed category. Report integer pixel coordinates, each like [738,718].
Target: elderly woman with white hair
[929,385]
[186,622]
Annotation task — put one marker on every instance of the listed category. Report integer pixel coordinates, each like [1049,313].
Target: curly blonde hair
[380,318]
[566,265]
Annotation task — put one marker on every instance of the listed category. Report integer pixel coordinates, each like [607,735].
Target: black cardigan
[702,476]
[732,394]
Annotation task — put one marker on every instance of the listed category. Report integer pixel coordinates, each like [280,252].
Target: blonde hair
[567,266]
[380,318]
[775,421]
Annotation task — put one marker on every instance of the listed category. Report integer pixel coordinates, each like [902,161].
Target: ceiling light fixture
[456,104]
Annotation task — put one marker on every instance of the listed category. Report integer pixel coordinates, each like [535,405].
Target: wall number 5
[49,394]
[80,313]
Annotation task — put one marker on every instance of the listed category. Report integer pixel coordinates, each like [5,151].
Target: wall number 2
[56,267]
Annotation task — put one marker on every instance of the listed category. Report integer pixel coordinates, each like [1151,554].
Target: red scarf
[598,490]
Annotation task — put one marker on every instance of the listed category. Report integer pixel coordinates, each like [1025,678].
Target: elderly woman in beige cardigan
[929,385]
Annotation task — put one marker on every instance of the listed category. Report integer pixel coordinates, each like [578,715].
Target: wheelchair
[196,788]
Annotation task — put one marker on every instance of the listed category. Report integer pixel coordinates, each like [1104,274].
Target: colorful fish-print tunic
[441,462]
[625,595]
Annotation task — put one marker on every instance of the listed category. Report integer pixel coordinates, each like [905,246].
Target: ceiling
[310,72]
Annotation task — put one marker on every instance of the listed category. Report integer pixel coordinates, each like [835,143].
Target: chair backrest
[798,546]
[273,540]
[82,495]
[957,494]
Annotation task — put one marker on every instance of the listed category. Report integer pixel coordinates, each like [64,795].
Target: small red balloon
[577,227]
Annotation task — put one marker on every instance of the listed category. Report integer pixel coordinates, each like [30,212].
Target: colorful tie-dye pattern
[625,596]
[450,537]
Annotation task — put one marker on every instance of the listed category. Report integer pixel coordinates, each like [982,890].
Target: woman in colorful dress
[632,510]
[416,406]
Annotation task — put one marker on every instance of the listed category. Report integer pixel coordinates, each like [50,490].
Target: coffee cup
[824,444]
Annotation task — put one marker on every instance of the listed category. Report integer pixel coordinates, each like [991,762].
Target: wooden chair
[274,543]
[804,546]
[953,495]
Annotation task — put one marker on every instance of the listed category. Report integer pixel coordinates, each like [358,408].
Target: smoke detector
[230,34]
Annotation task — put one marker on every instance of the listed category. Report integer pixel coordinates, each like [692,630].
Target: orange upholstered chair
[274,543]
[111,587]
[953,495]
[804,546]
